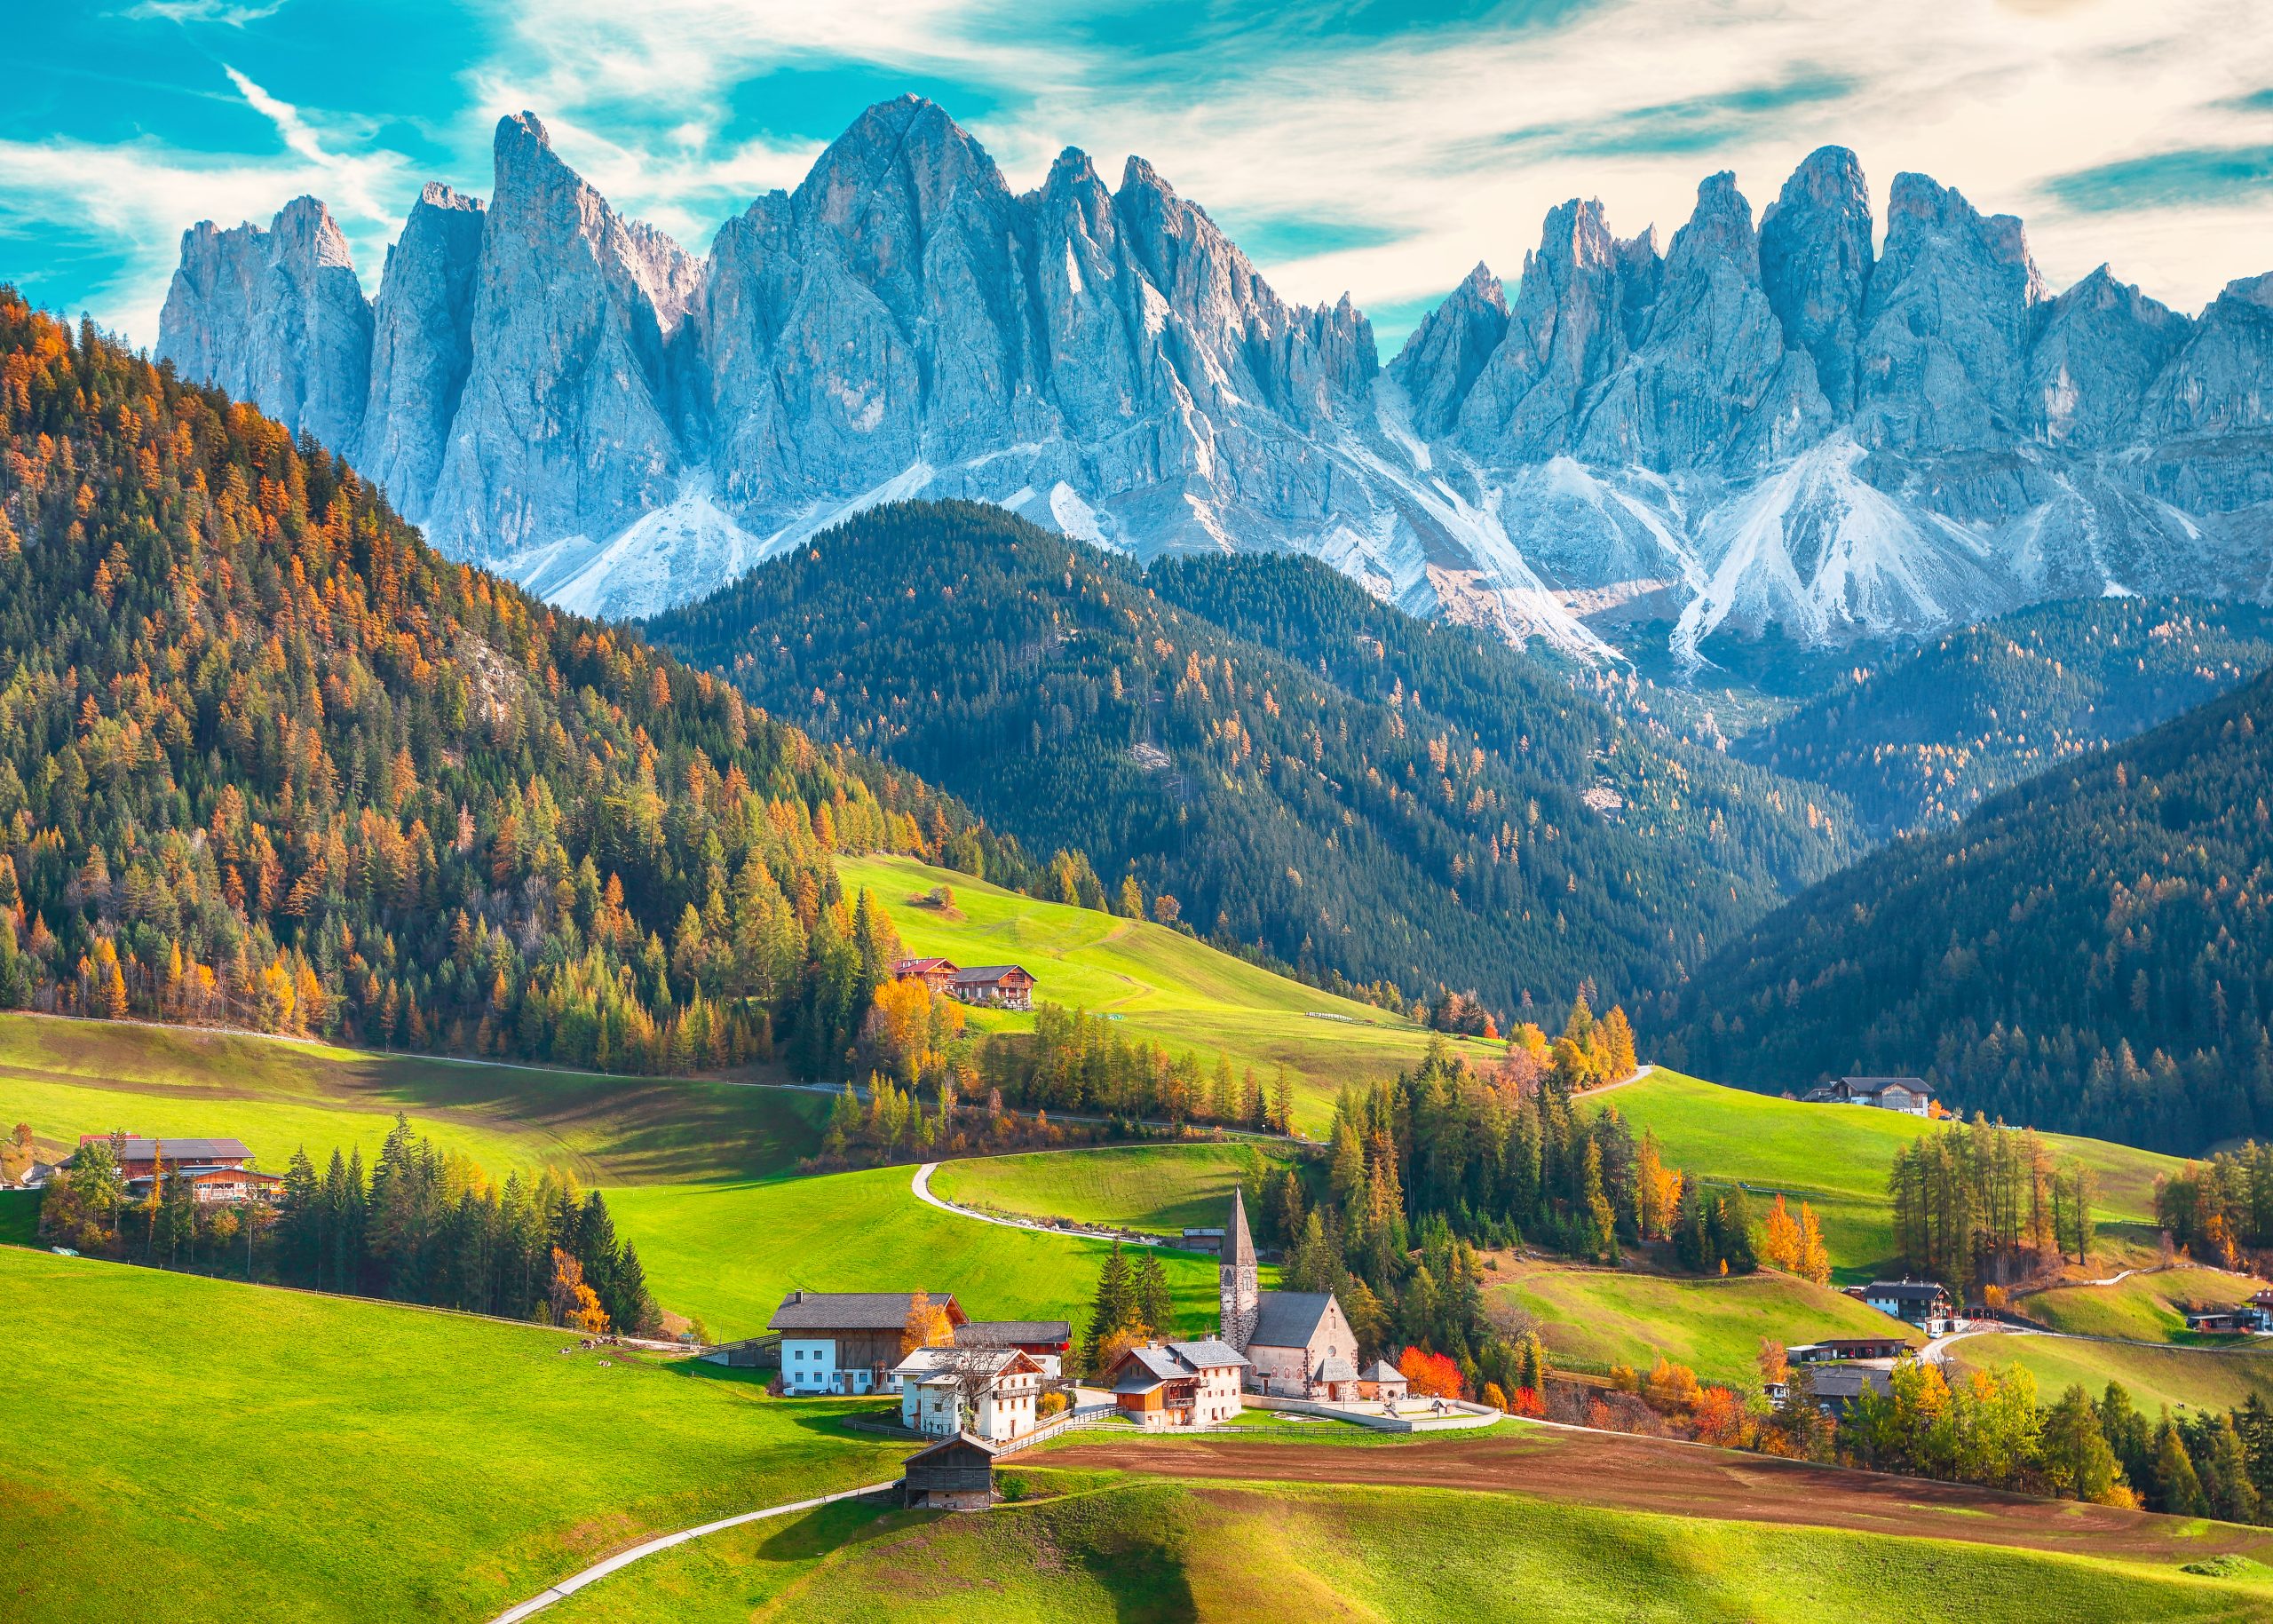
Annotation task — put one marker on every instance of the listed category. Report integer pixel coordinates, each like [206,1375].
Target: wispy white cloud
[1429,148]
[222,11]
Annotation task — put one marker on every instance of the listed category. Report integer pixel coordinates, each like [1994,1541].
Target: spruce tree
[1112,1309]
[1154,1307]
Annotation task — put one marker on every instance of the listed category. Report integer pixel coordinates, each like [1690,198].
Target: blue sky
[1369,146]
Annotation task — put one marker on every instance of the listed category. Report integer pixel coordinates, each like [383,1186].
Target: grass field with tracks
[1158,984]
[1590,1319]
[174,1446]
[1168,1551]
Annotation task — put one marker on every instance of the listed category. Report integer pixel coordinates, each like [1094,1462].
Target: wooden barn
[955,1474]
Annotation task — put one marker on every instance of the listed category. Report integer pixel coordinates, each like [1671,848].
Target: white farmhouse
[992,1393]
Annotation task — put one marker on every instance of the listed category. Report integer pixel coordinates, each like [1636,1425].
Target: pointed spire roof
[1238,1246]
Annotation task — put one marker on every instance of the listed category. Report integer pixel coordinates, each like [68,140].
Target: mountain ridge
[1761,425]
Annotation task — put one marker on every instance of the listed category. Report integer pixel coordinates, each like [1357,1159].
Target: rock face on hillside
[275,317]
[1754,427]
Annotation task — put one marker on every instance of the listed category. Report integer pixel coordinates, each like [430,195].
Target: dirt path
[1658,1475]
[921,1185]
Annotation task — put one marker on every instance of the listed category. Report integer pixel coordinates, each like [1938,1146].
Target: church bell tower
[1241,1298]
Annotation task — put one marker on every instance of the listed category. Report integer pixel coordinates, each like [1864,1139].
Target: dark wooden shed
[955,1474]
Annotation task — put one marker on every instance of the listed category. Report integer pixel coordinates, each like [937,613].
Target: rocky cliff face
[1754,427]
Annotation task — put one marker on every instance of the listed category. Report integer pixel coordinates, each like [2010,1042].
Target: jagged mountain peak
[1770,423]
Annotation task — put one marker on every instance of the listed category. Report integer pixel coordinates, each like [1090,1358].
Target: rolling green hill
[2092,951]
[2206,1378]
[728,1252]
[1156,983]
[1835,1157]
[1590,1319]
[1301,767]
[1922,738]
[1156,1189]
[70,1077]
[2143,1308]
[1166,1550]
[176,1444]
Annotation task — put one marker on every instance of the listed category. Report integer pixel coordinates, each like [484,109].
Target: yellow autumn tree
[1779,1242]
[1815,1257]
[926,1325]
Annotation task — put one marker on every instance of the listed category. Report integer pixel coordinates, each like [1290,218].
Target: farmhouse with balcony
[1919,1302]
[1298,1345]
[217,1171]
[989,1392]
[847,1341]
[1178,1383]
[933,973]
[1913,1095]
[1000,987]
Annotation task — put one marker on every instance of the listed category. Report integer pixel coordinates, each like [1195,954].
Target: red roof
[921,966]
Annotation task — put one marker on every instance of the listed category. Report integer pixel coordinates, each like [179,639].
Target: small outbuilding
[955,1474]
[1381,1381]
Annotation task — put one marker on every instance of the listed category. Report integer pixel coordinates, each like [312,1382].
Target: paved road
[625,1558]
[922,1186]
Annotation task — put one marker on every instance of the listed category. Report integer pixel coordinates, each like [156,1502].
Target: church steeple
[1240,1294]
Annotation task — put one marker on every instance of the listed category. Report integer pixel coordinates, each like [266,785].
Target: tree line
[1980,1201]
[424,1225]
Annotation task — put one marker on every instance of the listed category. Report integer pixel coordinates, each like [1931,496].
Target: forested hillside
[2090,952]
[1920,740]
[1298,767]
[267,758]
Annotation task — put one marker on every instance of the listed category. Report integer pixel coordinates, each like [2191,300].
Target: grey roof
[1905,1291]
[980,1333]
[186,1149]
[991,972]
[1334,1369]
[1238,1249]
[1144,1368]
[1848,1380]
[1381,1370]
[959,1440]
[1289,1318]
[1878,1085]
[1208,1352]
[851,1310]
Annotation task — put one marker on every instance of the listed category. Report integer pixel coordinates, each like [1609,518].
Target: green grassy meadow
[69,1077]
[1159,982]
[728,1251]
[2217,1378]
[1169,1550]
[1590,1319]
[2144,1308]
[1835,1158]
[176,1444]
[1158,1189]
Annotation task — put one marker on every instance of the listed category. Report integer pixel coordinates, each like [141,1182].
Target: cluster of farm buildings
[219,1172]
[985,1379]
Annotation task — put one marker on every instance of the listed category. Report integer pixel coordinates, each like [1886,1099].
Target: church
[1298,1343]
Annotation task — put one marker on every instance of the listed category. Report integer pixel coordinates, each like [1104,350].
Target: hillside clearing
[1155,982]
[1836,1158]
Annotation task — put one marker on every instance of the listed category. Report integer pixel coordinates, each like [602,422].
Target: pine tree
[1154,1307]
[2177,1486]
[1112,1309]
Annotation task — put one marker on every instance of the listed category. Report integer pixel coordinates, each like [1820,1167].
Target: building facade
[847,1341]
[1178,1383]
[993,1393]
